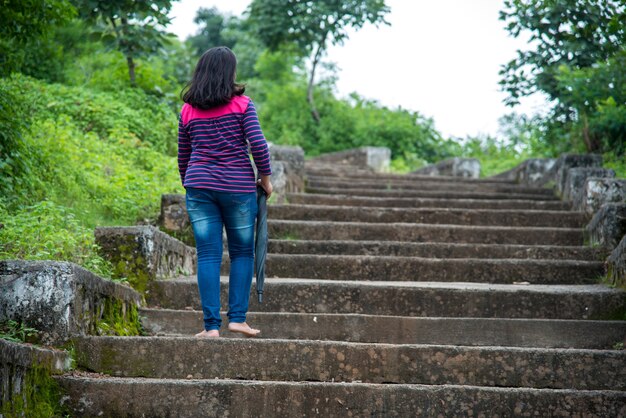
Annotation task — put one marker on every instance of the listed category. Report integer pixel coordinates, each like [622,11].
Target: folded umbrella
[260,242]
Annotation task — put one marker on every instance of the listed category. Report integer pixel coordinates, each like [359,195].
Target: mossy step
[436,250]
[547,333]
[137,397]
[446,216]
[414,202]
[418,299]
[411,232]
[334,361]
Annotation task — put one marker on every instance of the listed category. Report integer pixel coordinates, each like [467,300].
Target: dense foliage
[576,58]
[89,97]
[79,158]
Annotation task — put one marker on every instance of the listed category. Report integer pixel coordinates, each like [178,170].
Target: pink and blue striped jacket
[213,147]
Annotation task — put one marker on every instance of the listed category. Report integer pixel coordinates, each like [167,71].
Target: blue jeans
[209,211]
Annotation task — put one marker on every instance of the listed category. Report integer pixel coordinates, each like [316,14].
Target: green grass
[17,332]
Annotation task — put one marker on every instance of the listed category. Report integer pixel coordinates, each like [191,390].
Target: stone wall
[590,188]
[24,374]
[376,159]
[143,253]
[287,171]
[59,299]
[455,167]
[532,172]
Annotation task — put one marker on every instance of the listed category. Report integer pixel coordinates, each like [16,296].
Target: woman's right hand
[266,184]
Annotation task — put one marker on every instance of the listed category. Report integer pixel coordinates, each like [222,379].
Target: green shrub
[74,166]
[47,231]
[132,110]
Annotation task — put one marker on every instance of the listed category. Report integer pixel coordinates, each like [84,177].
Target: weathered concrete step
[138,397]
[408,202]
[360,231]
[349,173]
[436,250]
[429,194]
[391,268]
[488,217]
[405,330]
[420,299]
[421,185]
[326,361]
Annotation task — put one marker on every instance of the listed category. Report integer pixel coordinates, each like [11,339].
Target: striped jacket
[213,147]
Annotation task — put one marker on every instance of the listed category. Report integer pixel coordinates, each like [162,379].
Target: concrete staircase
[387,296]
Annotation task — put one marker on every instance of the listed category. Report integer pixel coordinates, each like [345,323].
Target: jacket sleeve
[258,144]
[184,149]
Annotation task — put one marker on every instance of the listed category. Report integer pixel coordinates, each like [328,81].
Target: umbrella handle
[260,296]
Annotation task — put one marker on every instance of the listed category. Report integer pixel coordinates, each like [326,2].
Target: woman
[217,125]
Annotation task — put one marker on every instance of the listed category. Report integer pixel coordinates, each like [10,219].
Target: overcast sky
[440,58]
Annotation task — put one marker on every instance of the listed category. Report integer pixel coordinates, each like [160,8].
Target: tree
[598,94]
[25,23]
[312,26]
[212,25]
[135,28]
[576,33]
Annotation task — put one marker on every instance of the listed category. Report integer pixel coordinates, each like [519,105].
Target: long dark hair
[213,82]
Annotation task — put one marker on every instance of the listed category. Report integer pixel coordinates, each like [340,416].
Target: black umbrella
[260,242]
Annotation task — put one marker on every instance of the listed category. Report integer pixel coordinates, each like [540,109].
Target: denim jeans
[209,211]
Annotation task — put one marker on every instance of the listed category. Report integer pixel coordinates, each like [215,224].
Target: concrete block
[533,172]
[598,191]
[376,159]
[567,161]
[608,225]
[575,182]
[294,156]
[143,253]
[57,298]
[455,167]
[537,171]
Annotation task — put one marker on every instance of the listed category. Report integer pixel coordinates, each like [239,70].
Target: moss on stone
[117,317]
[131,266]
[40,396]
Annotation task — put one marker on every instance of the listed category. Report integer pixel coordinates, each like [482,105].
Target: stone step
[489,217]
[361,231]
[419,299]
[109,396]
[349,173]
[436,250]
[408,202]
[391,268]
[404,329]
[421,185]
[429,194]
[335,361]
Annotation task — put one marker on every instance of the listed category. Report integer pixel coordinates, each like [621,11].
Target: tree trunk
[131,70]
[309,95]
[129,58]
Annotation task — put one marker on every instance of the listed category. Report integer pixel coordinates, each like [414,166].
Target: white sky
[440,58]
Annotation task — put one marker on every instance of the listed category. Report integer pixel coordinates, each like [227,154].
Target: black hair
[213,82]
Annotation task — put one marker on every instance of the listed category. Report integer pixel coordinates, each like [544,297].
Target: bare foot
[208,334]
[243,328]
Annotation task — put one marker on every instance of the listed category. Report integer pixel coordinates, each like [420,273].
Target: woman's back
[213,146]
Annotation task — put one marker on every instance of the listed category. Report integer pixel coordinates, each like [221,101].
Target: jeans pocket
[242,205]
